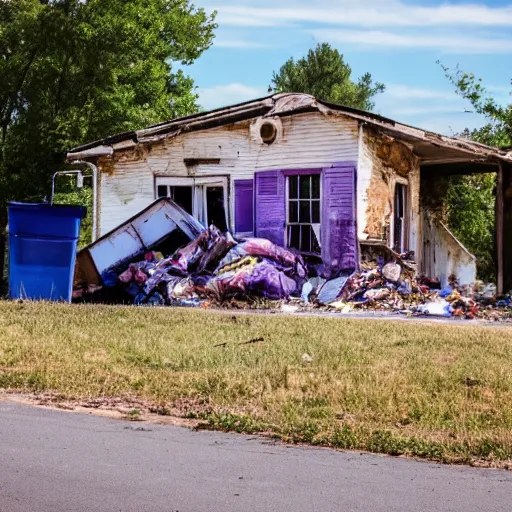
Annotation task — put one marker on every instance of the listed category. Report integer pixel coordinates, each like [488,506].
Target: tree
[498,132]
[325,75]
[73,71]
[470,214]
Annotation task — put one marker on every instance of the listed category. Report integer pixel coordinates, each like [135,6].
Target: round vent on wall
[268,132]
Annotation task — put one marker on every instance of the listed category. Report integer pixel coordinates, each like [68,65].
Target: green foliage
[73,71]
[471,199]
[499,130]
[471,216]
[325,75]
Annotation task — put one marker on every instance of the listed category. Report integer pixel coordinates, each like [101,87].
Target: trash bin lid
[66,210]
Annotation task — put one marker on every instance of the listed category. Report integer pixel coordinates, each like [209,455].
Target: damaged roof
[428,146]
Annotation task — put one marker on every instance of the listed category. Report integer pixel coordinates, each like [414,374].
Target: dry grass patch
[436,391]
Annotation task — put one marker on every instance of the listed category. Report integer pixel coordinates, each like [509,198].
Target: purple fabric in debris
[263,279]
[268,281]
[267,249]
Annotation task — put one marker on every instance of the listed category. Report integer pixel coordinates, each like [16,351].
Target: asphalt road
[52,461]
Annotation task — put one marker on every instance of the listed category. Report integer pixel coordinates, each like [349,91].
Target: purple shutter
[270,206]
[339,235]
[244,206]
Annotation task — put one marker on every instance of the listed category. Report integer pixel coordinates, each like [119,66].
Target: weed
[134,415]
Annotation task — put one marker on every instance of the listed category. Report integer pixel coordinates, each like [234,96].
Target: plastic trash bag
[439,308]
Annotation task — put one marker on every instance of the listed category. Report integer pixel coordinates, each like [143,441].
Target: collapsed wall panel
[444,257]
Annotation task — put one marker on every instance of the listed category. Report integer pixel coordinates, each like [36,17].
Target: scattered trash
[187,265]
[440,308]
[289,308]
[391,272]
[307,358]
[331,290]
[249,342]
[311,286]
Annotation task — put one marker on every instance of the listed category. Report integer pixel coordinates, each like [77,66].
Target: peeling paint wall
[382,163]
[303,141]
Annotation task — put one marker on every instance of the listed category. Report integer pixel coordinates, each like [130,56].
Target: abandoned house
[327,180]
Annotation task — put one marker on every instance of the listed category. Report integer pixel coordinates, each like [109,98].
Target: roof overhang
[431,148]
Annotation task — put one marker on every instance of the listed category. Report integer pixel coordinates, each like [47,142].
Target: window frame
[199,187]
[299,173]
[404,242]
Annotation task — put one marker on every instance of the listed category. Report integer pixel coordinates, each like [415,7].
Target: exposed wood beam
[499,227]
[458,168]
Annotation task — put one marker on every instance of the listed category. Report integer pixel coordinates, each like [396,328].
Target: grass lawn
[427,390]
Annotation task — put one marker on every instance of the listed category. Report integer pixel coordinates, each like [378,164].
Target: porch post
[499,227]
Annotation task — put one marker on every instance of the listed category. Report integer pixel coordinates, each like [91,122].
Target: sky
[400,42]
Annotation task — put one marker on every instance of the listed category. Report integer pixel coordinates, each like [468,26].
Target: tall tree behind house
[324,74]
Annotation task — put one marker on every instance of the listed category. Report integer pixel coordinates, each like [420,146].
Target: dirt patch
[178,414]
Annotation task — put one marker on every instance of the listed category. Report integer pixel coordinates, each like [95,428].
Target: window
[204,198]
[181,195]
[400,218]
[303,215]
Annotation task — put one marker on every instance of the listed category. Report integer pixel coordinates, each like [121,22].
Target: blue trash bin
[42,250]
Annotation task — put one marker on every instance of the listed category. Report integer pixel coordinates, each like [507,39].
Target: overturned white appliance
[163,225]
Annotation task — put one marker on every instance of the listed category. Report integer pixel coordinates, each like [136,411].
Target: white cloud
[400,112]
[229,94]
[474,27]
[407,92]
[446,43]
[374,13]
[501,90]
[241,20]
[238,43]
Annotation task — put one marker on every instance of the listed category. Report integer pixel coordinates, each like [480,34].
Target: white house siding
[382,163]
[304,141]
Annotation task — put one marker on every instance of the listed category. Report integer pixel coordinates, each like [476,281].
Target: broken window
[303,213]
[204,198]
[400,218]
[215,212]
[181,195]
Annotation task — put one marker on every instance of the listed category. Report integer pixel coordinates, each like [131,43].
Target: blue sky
[397,41]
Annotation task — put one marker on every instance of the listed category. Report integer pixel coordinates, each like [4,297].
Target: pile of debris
[163,256]
[213,267]
[393,287]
